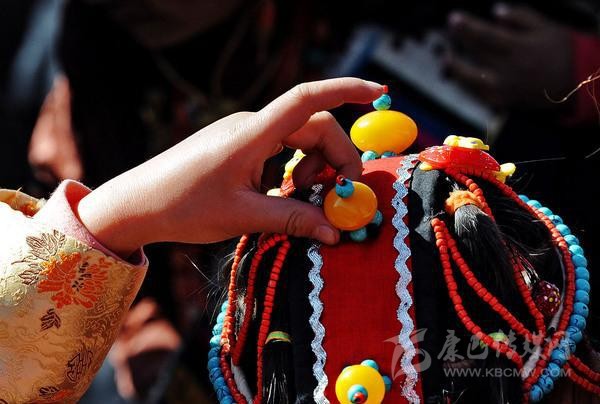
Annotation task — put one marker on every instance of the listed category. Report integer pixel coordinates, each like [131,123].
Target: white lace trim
[404,338]
[315,318]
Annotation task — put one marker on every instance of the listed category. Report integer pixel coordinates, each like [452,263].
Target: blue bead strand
[577,320]
[214,369]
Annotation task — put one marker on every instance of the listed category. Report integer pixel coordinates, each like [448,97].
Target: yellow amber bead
[364,376]
[383,131]
[353,212]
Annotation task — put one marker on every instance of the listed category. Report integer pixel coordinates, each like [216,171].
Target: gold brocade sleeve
[61,307]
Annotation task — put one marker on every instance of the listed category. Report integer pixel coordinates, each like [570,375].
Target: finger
[289,216]
[478,35]
[518,16]
[324,135]
[289,112]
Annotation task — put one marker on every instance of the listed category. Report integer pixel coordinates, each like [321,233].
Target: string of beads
[224,347]
[571,323]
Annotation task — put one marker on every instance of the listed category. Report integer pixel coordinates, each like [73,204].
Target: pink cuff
[59,213]
[586,62]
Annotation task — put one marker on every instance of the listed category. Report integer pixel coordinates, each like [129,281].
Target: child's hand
[207,188]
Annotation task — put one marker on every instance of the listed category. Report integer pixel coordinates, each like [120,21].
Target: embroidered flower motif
[50,319]
[75,282]
[48,391]
[53,393]
[79,365]
[42,248]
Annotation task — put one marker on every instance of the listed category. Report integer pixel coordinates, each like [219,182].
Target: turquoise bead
[377,219]
[559,357]
[220,318]
[571,239]
[582,273]
[345,190]
[382,103]
[369,155]
[213,353]
[227,400]
[579,260]
[357,389]
[524,198]
[213,374]
[555,219]
[224,306]
[215,341]
[222,393]
[563,229]
[388,154]
[576,249]
[546,211]
[220,383]
[581,309]
[546,384]
[568,345]
[213,363]
[578,321]
[582,284]
[359,235]
[534,204]
[552,371]
[536,394]
[371,363]
[574,334]
[388,383]
[582,296]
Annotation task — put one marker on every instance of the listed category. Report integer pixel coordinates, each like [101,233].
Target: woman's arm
[70,270]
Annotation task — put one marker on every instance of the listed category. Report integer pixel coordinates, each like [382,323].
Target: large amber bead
[383,131]
[364,376]
[353,212]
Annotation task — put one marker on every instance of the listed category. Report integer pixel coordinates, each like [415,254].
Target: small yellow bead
[383,131]
[353,212]
[365,376]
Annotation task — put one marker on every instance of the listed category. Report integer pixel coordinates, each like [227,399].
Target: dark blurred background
[92,88]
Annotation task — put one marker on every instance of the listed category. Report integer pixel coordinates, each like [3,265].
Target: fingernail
[325,234]
[455,18]
[500,9]
[373,85]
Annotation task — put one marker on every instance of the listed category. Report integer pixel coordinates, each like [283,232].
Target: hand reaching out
[207,188]
[513,61]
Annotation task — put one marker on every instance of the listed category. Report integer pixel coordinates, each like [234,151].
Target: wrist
[111,218]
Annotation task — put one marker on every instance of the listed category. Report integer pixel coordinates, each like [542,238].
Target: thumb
[289,216]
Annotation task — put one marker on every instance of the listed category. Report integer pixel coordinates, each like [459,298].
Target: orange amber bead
[384,131]
[353,212]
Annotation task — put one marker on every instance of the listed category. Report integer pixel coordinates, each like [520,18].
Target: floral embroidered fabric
[61,306]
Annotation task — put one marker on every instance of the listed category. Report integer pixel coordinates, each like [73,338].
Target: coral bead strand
[484,293]
[267,312]
[441,235]
[266,244]
[528,299]
[228,334]
[581,381]
[471,186]
[581,367]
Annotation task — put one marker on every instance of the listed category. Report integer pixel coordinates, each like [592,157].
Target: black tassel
[481,243]
[278,379]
